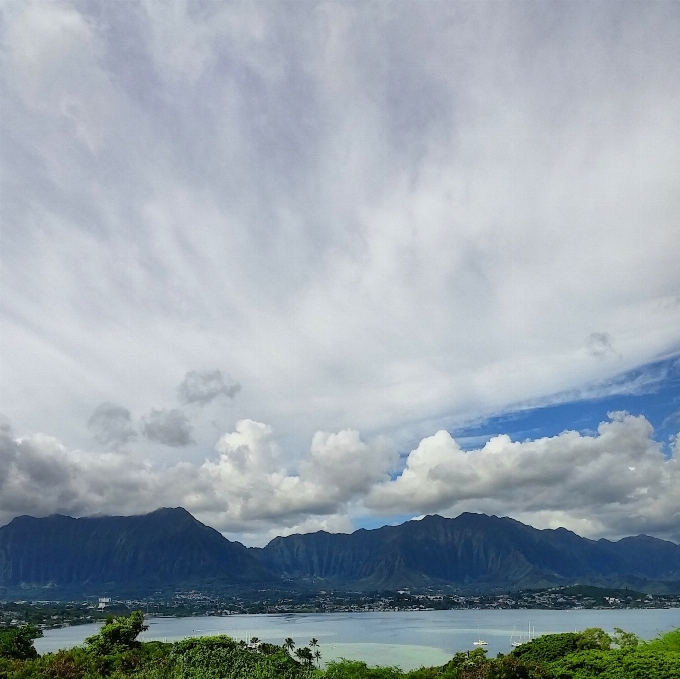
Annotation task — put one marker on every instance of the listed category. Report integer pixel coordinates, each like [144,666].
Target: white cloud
[249,475]
[246,488]
[614,483]
[600,345]
[346,466]
[52,58]
[376,220]
[40,476]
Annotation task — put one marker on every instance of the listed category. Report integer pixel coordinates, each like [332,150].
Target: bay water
[407,639]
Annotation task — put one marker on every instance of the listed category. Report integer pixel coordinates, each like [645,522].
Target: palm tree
[289,644]
[314,643]
[254,641]
[305,656]
[317,657]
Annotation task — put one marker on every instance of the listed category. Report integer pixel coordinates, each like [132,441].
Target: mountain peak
[164,549]
[173,513]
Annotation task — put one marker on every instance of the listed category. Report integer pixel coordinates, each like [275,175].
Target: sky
[326,265]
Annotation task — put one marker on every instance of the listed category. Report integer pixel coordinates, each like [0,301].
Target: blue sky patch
[652,390]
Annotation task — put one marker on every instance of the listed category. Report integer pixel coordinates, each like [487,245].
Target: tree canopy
[17,642]
[116,653]
[118,634]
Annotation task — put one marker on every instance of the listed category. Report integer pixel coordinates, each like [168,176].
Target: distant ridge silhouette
[169,549]
[164,549]
[486,552]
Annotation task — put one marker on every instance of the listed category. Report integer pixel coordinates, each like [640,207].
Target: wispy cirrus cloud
[379,226]
[373,218]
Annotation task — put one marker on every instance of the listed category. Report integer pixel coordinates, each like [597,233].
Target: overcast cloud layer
[388,218]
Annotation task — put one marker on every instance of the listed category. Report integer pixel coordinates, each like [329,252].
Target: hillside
[472,550]
[169,549]
[166,548]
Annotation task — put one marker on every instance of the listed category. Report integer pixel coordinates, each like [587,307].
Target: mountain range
[170,549]
[166,548]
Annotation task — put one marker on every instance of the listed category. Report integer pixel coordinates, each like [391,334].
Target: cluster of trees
[305,654]
[115,653]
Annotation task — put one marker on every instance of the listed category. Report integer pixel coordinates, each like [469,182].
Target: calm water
[407,639]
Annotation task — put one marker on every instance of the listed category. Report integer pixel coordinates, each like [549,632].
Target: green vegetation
[16,643]
[115,653]
[666,642]
[118,635]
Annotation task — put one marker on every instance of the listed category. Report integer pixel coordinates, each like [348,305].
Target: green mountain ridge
[166,548]
[472,550]
[170,549]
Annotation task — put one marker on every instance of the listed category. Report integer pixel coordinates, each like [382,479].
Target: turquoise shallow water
[406,639]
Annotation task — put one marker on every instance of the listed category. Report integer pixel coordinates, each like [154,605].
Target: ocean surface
[405,639]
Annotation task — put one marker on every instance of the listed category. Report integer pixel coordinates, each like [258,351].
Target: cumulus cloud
[40,476]
[204,386]
[245,488]
[339,468]
[346,466]
[169,427]
[111,425]
[614,483]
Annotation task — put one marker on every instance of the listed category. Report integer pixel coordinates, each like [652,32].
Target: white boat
[530,637]
[480,641]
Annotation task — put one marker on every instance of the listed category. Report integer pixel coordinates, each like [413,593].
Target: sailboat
[530,636]
[480,641]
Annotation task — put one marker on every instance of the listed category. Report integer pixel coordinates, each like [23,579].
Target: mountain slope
[166,548]
[472,549]
[170,549]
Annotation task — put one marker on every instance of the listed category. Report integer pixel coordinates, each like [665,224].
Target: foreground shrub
[223,658]
[476,665]
[618,664]
[118,634]
[355,669]
[666,642]
[115,653]
[16,643]
[548,648]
